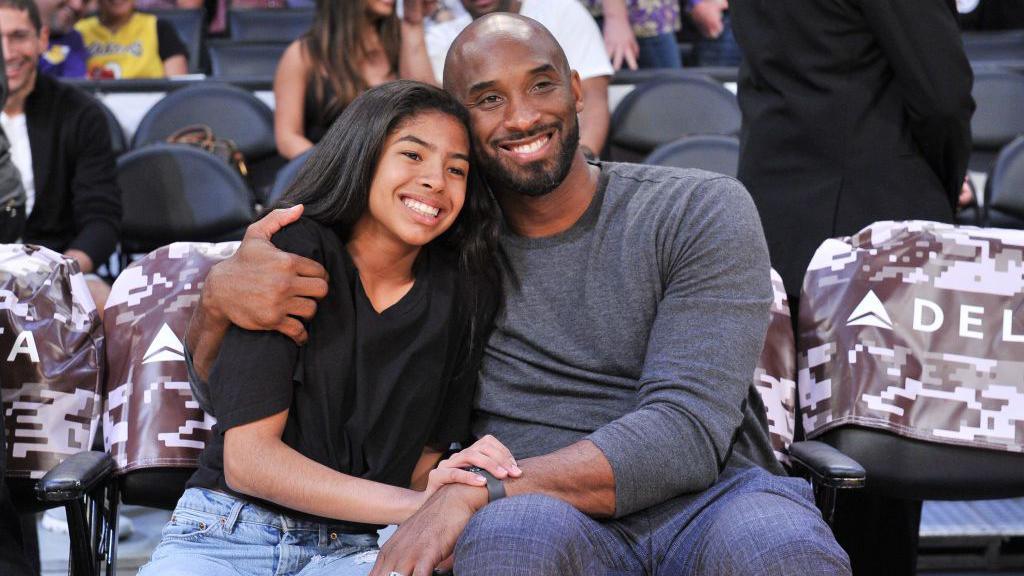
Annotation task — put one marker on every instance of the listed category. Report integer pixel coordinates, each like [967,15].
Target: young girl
[315,446]
[352,46]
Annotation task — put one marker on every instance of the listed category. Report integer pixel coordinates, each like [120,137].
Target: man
[60,143]
[639,34]
[854,111]
[575,31]
[12,548]
[619,371]
[66,55]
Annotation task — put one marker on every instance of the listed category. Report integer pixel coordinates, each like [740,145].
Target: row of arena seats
[925,408]
[257,37]
[680,121]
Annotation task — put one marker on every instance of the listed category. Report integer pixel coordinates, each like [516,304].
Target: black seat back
[661,111]
[174,192]
[231,59]
[719,154]
[191,28]
[231,112]
[118,141]
[999,96]
[1004,189]
[287,175]
[256,25]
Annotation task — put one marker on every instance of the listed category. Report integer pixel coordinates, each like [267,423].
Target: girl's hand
[487,453]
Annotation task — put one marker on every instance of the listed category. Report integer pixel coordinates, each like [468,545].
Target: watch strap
[495,487]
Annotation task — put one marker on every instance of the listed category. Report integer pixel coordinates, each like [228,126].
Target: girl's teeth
[421,208]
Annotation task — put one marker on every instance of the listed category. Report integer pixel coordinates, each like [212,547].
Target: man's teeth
[530,146]
[420,207]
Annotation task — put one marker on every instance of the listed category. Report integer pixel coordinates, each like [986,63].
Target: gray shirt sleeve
[703,346]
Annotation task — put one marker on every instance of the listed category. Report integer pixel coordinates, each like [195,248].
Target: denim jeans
[721,51]
[661,51]
[214,534]
[748,523]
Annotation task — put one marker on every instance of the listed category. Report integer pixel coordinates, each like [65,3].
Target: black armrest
[827,465]
[76,476]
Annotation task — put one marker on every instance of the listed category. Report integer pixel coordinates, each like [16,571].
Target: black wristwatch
[495,487]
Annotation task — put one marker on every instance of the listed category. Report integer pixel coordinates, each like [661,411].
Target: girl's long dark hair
[335,50]
[334,185]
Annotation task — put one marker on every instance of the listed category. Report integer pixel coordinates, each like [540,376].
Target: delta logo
[165,347]
[929,317]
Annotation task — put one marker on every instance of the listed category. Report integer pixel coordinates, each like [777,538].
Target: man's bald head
[492,38]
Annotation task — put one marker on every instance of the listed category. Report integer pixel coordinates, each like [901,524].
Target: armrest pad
[827,465]
[74,477]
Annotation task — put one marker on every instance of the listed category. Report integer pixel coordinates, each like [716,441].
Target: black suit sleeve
[96,197]
[921,41]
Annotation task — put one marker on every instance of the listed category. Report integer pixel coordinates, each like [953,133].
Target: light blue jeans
[214,534]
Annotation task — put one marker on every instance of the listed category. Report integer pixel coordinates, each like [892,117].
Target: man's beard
[539,181]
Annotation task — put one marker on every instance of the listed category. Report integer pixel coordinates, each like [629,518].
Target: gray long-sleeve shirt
[638,328]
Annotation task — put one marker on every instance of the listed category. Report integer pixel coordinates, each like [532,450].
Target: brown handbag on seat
[202,136]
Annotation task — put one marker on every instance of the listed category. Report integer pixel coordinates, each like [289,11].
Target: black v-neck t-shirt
[368,390]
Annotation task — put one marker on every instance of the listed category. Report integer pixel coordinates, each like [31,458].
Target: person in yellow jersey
[123,43]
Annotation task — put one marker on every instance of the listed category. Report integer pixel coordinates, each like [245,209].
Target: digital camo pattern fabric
[51,343]
[151,418]
[775,374]
[916,328]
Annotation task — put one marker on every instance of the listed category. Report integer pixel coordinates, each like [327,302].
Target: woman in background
[352,46]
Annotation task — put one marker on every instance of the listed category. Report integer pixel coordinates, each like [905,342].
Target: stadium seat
[269,25]
[999,96]
[907,363]
[994,47]
[286,175]
[52,389]
[191,28]
[1004,189]
[118,141]
[232,113]
[251,60]
[661,111]
[719,154]
[174,192]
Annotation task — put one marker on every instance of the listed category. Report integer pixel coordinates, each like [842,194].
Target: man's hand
[263,288]
[415,11]
[619,40]
[84,262]
[429,536]
[707,16]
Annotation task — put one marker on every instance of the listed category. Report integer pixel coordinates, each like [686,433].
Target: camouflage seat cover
[916,328]
[151,418]
[51,343]
[775,375]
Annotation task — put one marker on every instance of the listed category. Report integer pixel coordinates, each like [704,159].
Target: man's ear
[44,39]
[577,90]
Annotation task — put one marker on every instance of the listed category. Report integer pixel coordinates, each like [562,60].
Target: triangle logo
[165,347]
[870,312]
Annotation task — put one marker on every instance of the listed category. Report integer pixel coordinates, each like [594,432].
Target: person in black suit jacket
[77,204]
[854,111]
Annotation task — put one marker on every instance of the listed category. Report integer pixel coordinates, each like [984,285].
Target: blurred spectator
[60,143]
[714,43]
[991,14]
[65,56]
[854,111]
[575,31]
[353,45]
[639,33]
[168,4]
[123,43]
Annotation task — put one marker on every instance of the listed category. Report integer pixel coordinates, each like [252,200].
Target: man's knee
[767,533]
[528,534]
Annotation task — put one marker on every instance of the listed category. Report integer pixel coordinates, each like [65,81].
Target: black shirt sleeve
[252,377]
[168,42]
